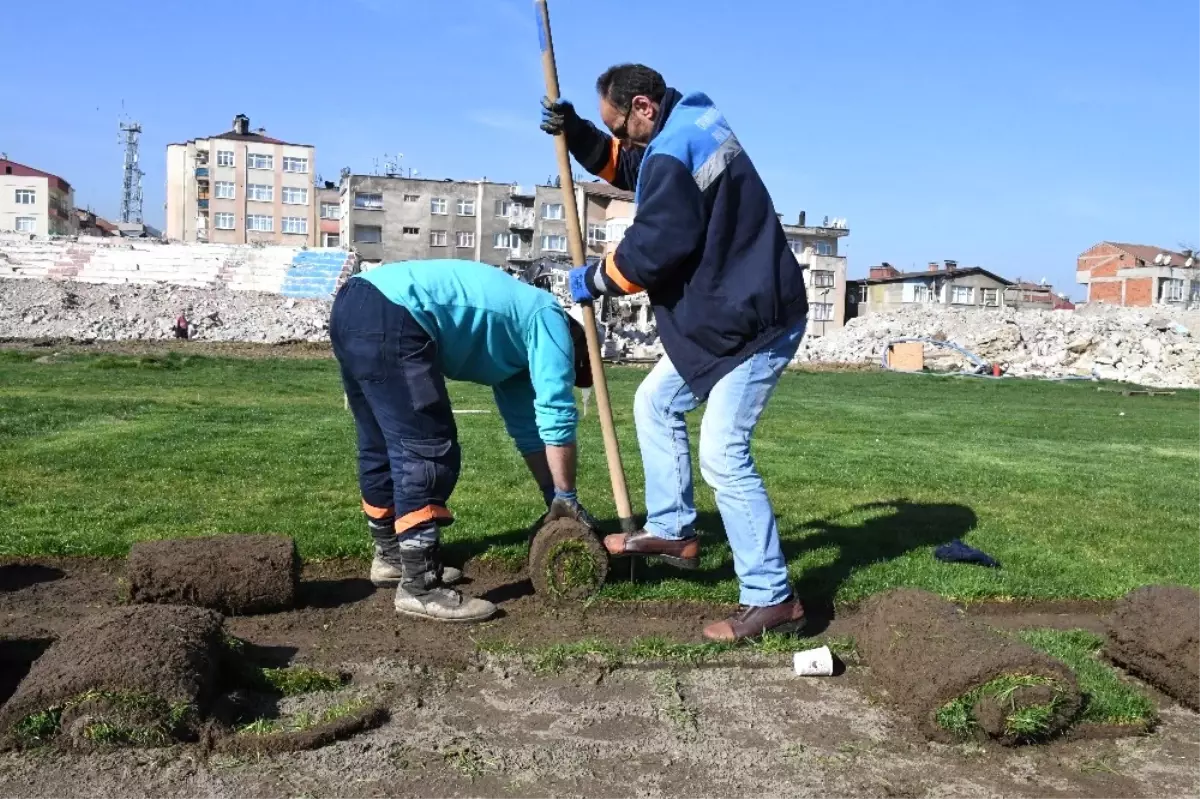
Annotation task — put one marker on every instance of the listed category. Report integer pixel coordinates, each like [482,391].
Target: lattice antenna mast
[131,184]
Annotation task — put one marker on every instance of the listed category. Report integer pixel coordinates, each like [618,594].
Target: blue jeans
[408,453]
[734,406]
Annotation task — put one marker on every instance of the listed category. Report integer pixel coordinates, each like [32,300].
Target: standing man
[398,332]
[730,306]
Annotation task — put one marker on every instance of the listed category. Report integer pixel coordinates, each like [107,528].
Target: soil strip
[116,666]
[236,575]
[927,655]
[1152,632]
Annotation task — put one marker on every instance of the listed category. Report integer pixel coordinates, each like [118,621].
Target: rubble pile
[102,312]
[1150,346]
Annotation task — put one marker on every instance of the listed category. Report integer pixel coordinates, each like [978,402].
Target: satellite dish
[1190,262]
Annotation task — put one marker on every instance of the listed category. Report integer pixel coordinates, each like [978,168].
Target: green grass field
[868,471]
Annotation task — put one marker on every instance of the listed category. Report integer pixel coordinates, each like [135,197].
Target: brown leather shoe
[684,553]
[786,617]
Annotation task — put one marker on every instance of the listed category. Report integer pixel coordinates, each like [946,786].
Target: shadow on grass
[910,525]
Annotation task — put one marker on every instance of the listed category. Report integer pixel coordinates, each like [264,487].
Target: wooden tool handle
[612,449]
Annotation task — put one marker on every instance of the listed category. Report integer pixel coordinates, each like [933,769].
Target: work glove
[582,289]
[558,116]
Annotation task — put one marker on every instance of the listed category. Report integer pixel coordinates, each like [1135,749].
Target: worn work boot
[750,622]
[683,553]
[386,569]
[421,593]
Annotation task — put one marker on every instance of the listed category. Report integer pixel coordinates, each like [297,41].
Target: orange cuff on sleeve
[609,172]
[422,515]
[614,274]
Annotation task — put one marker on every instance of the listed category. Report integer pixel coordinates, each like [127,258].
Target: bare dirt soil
[1153,633]
[467,724]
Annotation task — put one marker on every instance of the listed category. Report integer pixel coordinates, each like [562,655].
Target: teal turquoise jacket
[492,329]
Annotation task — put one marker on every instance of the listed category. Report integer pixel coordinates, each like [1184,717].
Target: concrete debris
[1129,344]
[102,312]
[1152,347]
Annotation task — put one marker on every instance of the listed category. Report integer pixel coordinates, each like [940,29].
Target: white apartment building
[35,202]
[241,187]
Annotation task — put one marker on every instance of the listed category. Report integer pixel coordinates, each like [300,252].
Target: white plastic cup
[813,662]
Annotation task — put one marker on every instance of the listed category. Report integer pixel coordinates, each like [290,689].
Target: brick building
[1138,275]
[35,202]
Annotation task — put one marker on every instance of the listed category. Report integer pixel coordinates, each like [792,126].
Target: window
[824,247]
[437,238]
[1172,290]
[224,157]
[822,278]
[368,201]
[822,311]
[26,197]
[225,190]
[260,161]
[962,295]
[291,164]
[597,234]
[295,224]
[412,198]
[263,192]
[260,222]
[368,234]
[437,205]
[331,211]
[465,208]
[922,292]
[990,297]
[864,293]
[503,207]
[552,210]
[506,241]
[223,221]
[796,246]
[464,238]
[412,232]
[554,243]
[26,224]
[295,196]
[331,240]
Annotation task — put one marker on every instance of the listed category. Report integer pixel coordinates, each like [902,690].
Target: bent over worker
[398,332]
[730,305]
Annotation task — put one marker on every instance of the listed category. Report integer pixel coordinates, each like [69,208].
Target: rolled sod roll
[133,676]
[234,574]
[1152,633]
[960,679]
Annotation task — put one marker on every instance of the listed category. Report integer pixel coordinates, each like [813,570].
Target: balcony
[521,220]
[520,256]
[202,173]
[202,203]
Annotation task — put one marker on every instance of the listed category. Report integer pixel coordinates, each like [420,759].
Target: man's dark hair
[620,84]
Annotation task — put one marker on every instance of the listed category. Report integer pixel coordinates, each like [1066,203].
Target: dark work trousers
[408,453]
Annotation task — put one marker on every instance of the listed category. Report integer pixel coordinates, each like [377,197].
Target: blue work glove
[581,288]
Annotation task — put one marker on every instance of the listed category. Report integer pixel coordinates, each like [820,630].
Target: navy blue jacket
[705,244]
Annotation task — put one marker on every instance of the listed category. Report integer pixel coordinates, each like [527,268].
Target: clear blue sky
[1012,135]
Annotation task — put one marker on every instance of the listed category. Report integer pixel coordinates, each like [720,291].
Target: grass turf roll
[1152,633]
[957,677]
[139,676]
[234,574]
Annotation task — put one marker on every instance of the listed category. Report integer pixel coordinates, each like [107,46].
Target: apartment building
[816,250]
[887,288]
[329,215]
[35,202]
[1139,275]
[241,186]
[394,218]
